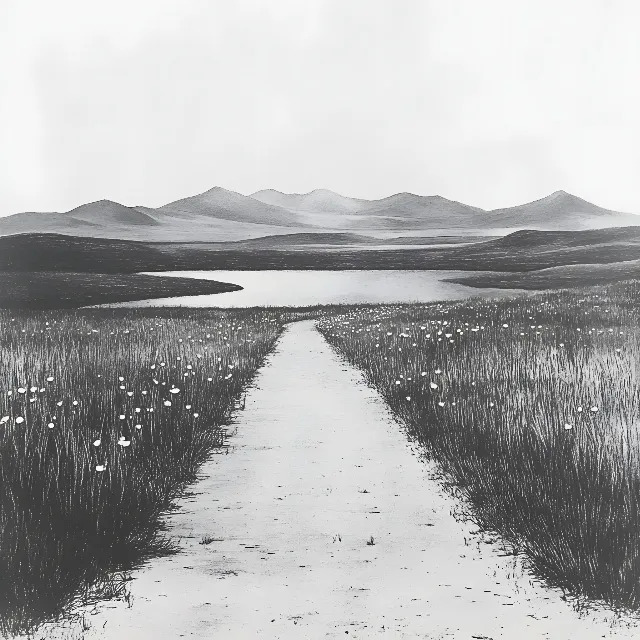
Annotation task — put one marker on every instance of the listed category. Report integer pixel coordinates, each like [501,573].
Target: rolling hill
[435,214]
[220,215]
[564,277]
[416,212]
[219,203]
[400,211]
[560,210]
[50,290]
[33,222]
[316,201]
[109,213]
[410,212]
[519,252]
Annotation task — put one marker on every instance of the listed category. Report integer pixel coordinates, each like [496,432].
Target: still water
[307,288]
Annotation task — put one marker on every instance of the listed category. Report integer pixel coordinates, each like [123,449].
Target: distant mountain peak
[563,195]
[217,194]
[314,202]
[324,192]
[215,189]
[399,195]
[98,203]
[109,212]
[314,192]
[558,210]
[224,204]
[223,213]
[256,193]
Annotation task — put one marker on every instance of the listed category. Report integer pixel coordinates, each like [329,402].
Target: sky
[492,103]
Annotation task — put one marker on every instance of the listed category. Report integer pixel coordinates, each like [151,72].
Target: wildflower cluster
[104,416]
[531,405]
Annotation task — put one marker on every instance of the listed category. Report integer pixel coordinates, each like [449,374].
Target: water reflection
[309,288]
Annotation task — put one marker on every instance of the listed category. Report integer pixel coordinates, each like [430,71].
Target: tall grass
[105,416]
[532,407]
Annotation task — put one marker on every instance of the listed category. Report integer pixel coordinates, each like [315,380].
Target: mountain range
[220,215]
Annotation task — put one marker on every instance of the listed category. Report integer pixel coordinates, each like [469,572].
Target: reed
[531,406]
[105,416]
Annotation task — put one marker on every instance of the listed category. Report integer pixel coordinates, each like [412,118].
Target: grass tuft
[532,408]
[105,418]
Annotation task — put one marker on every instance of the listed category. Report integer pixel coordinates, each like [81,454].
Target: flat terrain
[43,290]
[317,468]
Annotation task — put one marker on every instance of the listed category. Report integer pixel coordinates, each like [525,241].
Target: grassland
[578,275]
[105,416]
[531,406]
[50,290]
[518,252]
[47,270]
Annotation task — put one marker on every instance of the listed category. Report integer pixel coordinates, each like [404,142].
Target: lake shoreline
[304,288]
[67,290]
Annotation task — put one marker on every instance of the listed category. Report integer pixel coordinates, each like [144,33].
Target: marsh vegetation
[105,418]
[531,406]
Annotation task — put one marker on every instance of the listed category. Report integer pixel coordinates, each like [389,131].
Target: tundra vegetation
[531,406]
[105,417]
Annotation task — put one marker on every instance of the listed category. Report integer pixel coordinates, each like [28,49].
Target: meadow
[49,290]
[105,417]
[531,406]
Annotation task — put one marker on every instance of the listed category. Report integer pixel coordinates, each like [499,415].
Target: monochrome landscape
[479,450]
[319,320]
[226,215]
[61,259]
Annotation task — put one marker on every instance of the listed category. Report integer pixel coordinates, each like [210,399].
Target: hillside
[228,205]
[411,212]
[578,275]
[62,253]
[560,210]
[220,215]
[519,252]
[86,220]
[417,212]
[41,290]
[337,239]
[397,212]
[107,213]
[317,201]
[543,240]
[32,221]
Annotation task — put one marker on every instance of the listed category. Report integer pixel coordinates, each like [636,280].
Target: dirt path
[318,466]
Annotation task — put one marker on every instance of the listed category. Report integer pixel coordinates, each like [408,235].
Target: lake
[308,288]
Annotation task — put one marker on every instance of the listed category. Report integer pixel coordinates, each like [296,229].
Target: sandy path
[291,520]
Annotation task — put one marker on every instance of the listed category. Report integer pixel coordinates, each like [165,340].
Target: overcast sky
[491,102]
